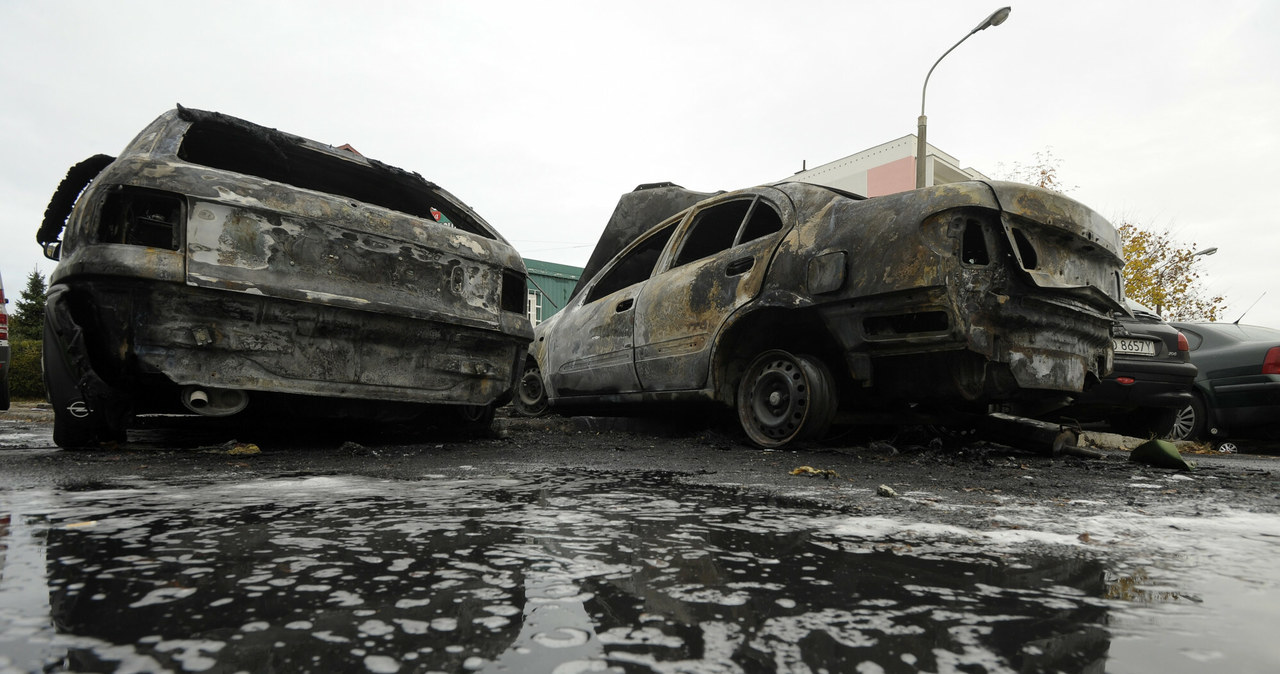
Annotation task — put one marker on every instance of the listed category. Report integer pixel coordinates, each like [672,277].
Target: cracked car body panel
[966,293]
[217,253]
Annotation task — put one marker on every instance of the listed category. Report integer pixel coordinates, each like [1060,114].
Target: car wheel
[1146,423]
[81,432]
[475,418]
[1189,422]
[783,398]
[531,393]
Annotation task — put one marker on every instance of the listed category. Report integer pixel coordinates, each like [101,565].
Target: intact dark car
[1150,384]
[1237,392]
[218,267]
[801,306]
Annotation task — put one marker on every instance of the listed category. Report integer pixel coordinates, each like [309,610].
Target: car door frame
[683,307]
[591,353]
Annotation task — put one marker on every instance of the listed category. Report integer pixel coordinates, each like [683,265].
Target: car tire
[531,393]
[1146,423]
[73,433]
[783,398]
[475,418]
[1190,421]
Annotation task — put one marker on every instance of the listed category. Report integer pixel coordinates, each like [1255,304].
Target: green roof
[552,269]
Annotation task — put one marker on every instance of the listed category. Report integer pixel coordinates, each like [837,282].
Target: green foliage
[27,320]
[25,379]
[1161,273]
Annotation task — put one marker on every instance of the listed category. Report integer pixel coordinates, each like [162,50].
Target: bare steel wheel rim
[785,397]
[780,398]
[532,393]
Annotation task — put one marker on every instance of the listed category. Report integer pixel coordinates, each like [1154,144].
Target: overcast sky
[540,114]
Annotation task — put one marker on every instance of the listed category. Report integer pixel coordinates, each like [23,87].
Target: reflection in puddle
[560,573]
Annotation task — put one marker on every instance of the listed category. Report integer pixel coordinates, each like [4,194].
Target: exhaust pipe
[214,402]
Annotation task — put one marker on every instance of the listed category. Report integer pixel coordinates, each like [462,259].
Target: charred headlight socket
[141,217]
[827,272]
[514,291]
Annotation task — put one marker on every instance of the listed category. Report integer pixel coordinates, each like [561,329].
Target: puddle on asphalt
[554,573]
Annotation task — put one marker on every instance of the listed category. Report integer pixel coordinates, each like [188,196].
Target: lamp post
[997,17]
[1198,253]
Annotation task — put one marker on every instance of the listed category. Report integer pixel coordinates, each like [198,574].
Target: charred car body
[800,306]
[218,263]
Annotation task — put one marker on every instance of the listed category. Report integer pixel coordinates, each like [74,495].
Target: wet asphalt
[624,545]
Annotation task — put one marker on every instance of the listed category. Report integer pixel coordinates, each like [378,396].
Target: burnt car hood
[636,212]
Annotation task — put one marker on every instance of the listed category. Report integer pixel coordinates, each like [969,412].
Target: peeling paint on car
[802,305]
[217,253]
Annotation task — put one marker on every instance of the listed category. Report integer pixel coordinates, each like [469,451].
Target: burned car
[801,306]
[217,266]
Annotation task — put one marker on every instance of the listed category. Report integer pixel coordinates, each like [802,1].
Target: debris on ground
[811,471]
[887,491]
[244,448]
[1160,454]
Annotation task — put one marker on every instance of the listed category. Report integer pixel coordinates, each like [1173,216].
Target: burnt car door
[718,265]
[598,359]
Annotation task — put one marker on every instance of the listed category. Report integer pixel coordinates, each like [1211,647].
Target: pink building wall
[896,176]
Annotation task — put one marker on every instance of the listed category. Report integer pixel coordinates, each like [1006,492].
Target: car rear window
[222,144]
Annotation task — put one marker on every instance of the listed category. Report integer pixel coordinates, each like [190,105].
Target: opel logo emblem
[78,409]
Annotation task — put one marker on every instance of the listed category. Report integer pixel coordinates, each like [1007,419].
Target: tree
[1042,173]
[1161,273]
[27,320]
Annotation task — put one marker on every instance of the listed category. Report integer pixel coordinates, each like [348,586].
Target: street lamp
[1166,263]
[1198,253]
[997,17]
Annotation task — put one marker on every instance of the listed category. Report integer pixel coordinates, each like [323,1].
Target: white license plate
[1134,347]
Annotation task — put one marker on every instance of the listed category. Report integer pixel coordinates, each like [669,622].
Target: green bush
[25,380]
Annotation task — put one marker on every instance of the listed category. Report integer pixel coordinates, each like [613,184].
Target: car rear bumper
[1155,384]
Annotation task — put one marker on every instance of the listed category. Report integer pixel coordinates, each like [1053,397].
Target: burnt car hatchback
[218,266]
[802,306]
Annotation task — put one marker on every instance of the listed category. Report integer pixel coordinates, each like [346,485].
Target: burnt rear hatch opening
[223,143]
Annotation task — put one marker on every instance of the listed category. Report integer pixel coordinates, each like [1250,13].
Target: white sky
[540,114]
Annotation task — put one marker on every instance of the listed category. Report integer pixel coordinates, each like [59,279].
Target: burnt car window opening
[228,147]
[712,231]
[634,267]
[142,218]
[973,245]
[1026,251]
[762,221]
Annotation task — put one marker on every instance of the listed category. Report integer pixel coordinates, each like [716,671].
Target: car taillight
[1271,364]
[1183,345]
